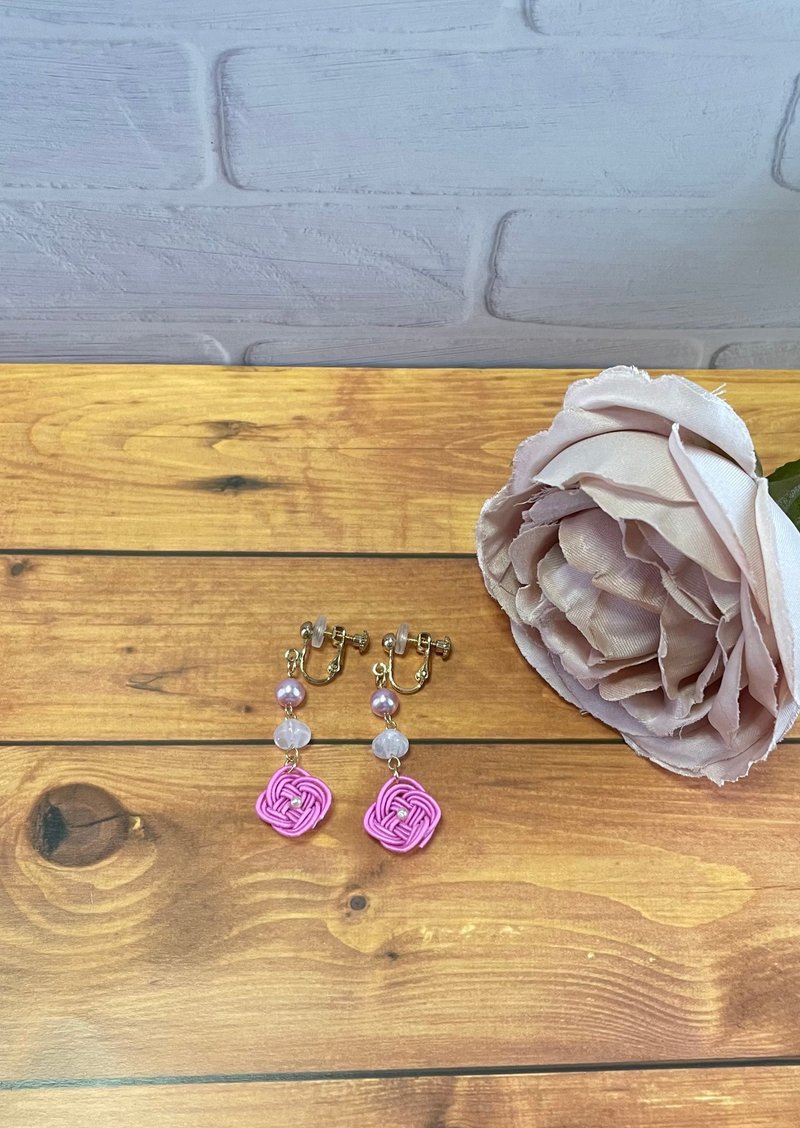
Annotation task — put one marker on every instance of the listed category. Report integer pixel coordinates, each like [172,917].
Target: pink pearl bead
[290,691]
[384,702]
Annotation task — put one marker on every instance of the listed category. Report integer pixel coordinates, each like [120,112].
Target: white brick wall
[640,269]
[285,264]
[673,19]
[299,120]
[490,182]
[99,115]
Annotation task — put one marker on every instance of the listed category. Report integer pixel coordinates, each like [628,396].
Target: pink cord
[293,801]
[403,816]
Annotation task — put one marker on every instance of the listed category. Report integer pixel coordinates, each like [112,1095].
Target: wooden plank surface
[162,648]
[287,460]
[165,648]
[701,1098]
[577,905]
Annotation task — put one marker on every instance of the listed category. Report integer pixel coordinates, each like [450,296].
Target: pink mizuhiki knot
[403,816]
[293,802]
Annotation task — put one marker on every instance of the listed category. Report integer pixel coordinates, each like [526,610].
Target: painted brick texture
[298,120]
[295,16]
[700,269]
[465,182]
[435,348]
[288,264]
[99,115]
[673,19]
[68,342]
[758,354]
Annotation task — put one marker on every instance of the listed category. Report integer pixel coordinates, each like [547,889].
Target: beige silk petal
[567,588]
[695,692]
[701,751]
[534,652]
[592,542]
[684,579]
[498,525]
[686,527]
[725,594]
[662,717]
[631,681]
[627,399]
[649,577]
[727,497]
[673,398]
[762,677]
[614,627]
[633,461]
[728,633]
[578,657]
[780,542]
[685,647]
[566,642]
[527,549]
[551,669]
[724,714]
[553,504]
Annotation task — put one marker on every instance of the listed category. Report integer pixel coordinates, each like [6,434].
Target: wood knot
[233,483]
[78,824]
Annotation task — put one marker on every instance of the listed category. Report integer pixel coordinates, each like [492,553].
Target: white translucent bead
[390,742]
[318,633]
[292,733]
[401,638]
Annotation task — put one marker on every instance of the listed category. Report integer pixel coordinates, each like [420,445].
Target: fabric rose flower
[649,576]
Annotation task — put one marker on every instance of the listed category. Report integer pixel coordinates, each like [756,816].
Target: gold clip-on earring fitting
[314,636]
[425,644]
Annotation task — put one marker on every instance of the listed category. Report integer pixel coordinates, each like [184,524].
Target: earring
[294,801]
[404,815]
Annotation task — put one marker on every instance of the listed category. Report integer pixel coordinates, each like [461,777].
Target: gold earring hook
[425,645]
[314,636]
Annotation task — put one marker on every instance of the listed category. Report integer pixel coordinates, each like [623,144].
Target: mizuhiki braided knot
[403,816]
[293,802]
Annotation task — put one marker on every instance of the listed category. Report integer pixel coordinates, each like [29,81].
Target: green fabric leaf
[784,488]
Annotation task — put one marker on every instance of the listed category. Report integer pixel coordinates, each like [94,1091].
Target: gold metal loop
[425,645]
[393,764]
[339,639]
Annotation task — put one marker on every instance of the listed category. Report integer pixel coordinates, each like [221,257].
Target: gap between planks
[310,1076]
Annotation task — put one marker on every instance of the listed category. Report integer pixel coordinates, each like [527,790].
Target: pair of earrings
[403,815]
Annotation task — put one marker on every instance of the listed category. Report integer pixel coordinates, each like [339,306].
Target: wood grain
[287,460]
[170,648]
[167,648]
[577,905]
[701,1098]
